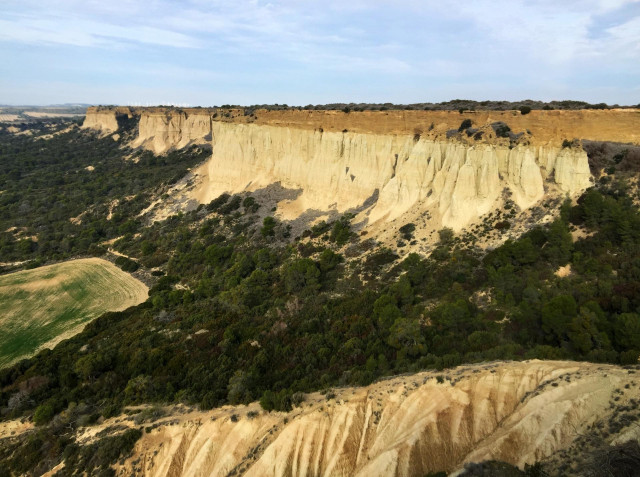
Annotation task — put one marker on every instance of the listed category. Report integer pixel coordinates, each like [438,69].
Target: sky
[298,52]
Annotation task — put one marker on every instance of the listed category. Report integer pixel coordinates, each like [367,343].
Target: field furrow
[41,307]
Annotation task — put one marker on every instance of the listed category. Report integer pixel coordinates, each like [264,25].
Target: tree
[559,243]
[627,331]
[557,315]
[301,275]
[583,332]
[329,260]
[341,231]
[255,289]
[386,311]
[268,227]
[446,235]
[44,413]
[406,334]
[238,388]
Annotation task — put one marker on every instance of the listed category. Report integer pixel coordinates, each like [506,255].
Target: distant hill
[29,113]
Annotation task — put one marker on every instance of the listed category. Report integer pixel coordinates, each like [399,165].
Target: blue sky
[206,52]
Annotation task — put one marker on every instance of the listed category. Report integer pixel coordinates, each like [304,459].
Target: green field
[41,307]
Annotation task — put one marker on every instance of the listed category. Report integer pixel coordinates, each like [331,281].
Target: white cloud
[87,32]
[498,45]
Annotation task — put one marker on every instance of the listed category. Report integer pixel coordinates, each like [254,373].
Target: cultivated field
[41,307]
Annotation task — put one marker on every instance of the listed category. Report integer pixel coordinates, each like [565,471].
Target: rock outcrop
[342,170]
[405,160]
[103,120]
[160,131]
[410,425]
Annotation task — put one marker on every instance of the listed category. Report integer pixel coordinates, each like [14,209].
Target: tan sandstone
[409,425]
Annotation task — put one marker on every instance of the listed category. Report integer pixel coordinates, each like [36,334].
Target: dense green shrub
[464,125]
[341,231]
[43,414]
[502,130]
[126,264]
[268,227]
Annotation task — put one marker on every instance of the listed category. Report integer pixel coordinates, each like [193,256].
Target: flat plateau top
[617,125]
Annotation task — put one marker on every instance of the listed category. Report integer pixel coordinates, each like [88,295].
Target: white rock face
[160,131]
[342,170]
[104,121]
[405,426]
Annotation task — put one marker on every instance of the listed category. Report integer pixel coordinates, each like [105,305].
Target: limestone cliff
[162,130]
[405,160]
[101,120]
[342,170]
[409,425]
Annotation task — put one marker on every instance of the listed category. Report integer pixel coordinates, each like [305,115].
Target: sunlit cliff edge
[396,161]
[409,425]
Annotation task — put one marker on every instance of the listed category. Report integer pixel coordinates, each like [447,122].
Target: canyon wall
[161,131]
[102,120]
[409,425]
[458,181]
[402,160]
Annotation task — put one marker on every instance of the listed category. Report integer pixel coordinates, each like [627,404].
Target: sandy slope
[14,428]
[519,412]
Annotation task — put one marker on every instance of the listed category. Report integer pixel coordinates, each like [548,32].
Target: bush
[126,264]
[268,227]
[250,204]
[446,235]
[44,413]
[524,110]
[341,231]
[407,231]
[280,401]
[502,130]
[297,399]
[215,204]
[320,228]
[466,124]
[233,204]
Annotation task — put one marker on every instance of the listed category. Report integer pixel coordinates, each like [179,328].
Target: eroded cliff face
[157,129]
[396,162]
[101,120]
[161,131]
[406,426]
[340,170]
